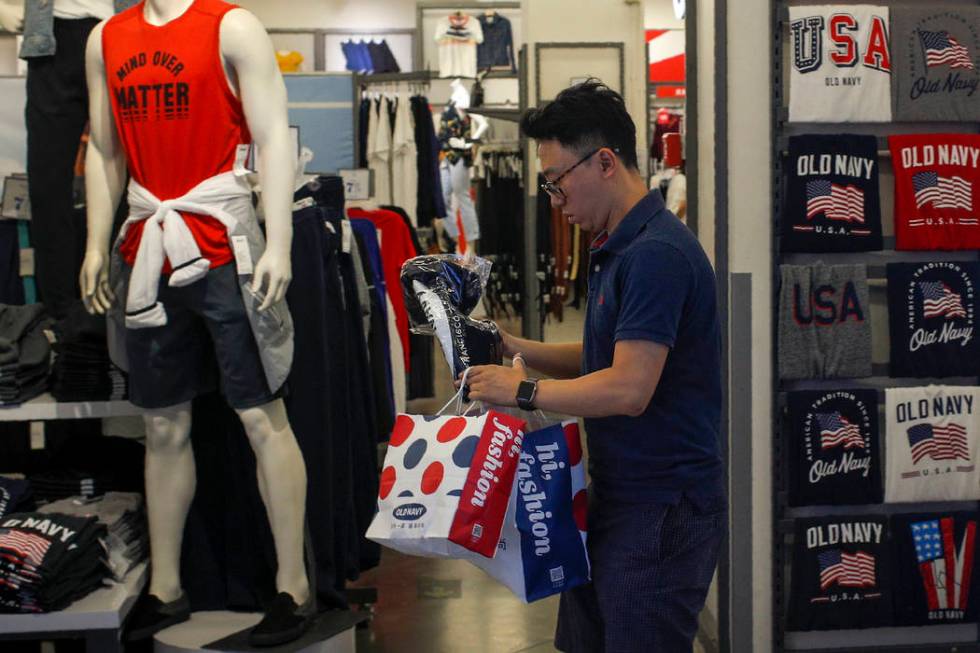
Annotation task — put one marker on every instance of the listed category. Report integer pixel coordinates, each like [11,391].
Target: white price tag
[16,202]
[242,152]
[243,254]
[37,436]
[357,183]
[304,203]
[345,235]
[27,262]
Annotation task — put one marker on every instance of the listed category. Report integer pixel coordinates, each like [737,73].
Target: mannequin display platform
[191,261]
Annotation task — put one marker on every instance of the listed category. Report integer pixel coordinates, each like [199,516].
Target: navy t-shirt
[650,280]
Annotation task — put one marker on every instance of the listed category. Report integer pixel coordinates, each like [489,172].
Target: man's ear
[607,161]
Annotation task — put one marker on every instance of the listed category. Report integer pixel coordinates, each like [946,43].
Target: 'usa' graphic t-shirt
[833,447]
[935,568]
[832,198]
[937,63]
[931,443]
[937,198]
[932,312]
[840,67]
[841,573]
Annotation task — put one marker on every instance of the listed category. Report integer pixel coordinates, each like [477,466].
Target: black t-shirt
[932,311]
[834,452]
[832,199]
[841,576]
[929,550]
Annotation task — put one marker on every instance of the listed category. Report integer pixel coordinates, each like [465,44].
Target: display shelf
[102,610]
[46,407]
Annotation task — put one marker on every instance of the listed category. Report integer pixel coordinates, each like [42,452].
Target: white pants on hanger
[456,191]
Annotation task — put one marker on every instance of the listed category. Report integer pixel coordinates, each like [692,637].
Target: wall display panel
[400,42]
[322,107]
[302,43]
[430,14]
[13,131]
[560,65]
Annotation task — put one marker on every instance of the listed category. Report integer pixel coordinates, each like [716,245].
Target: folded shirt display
[126,542]
[82,370]
[49,560]
[16,495]
[25,354]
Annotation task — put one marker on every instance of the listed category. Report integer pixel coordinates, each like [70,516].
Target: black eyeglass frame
[552,187]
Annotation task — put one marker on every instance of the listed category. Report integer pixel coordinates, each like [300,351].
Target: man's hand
[496,384]
[272,276]
[94,281]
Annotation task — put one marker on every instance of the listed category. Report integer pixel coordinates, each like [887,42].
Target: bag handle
[458,398]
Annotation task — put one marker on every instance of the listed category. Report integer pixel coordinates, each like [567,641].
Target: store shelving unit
[958,637]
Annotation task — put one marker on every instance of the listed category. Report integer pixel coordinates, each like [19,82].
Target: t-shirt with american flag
[832,201]
[937,190]
[833,447]
[841,573]
[931,442]
[932,313]
[937,63]
[935,567]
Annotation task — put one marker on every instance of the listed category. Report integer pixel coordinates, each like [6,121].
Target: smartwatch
[525,394]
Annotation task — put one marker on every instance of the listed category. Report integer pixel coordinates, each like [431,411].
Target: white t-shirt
[931,443]
[379,152]
[840,64]
[404,156]
[457,37]
[75,9]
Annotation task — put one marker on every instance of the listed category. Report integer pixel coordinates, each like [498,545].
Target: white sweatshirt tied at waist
[224,196]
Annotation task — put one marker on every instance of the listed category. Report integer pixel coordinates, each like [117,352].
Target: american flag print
[942,49]
[943,192]
[846,569]
[938,442]
[32,547]
[835,201]
[945,571]
[939,301]
[835,431]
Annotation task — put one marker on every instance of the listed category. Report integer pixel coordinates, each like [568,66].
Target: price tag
[345,236]
[16,202]
[243,254]
[27,262]
[242,155]
[358,183]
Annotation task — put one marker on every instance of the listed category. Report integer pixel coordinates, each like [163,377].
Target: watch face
[680,8]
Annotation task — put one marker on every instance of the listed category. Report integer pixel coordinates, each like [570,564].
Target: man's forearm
[560,360]
[599,394]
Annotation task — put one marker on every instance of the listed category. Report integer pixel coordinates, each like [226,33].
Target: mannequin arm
[12,15]
[105,175]
[480,126]
[246,47]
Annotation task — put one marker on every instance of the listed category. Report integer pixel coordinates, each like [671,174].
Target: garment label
[27,262]
[304,203]
[345,236]
[242,154]
[243,254]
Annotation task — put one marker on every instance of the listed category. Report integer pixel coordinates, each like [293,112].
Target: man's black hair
[584,117]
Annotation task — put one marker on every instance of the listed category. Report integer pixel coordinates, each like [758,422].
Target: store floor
[450,606]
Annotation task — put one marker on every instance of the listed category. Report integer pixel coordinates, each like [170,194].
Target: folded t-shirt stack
[126,542]
[82,370]
[48,561]
[15,495]
[25,354]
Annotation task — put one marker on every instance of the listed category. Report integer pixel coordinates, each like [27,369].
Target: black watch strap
[526,393]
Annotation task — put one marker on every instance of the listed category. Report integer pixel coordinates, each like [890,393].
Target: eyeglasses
[552,187]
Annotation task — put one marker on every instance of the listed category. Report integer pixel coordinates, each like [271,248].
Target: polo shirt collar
[634,220]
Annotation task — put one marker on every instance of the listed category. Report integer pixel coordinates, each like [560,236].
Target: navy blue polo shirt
[650,280]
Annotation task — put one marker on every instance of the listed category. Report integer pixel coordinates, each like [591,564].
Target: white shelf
[104,609]
[45,407]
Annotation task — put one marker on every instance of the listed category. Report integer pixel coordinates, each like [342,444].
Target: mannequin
[459,130]
[258,99]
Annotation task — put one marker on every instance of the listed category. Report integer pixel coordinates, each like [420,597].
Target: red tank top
[177,118]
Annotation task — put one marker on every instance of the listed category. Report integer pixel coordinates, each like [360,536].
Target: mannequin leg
[461,189]
[447,192]
[282,484]
[170,483]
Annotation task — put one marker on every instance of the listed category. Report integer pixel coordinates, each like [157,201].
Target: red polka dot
[387,482]
[574,443]
[404,425]
[432,478]
[451,429]
[580,509]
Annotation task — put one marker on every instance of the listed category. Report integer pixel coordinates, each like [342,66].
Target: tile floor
[449,606]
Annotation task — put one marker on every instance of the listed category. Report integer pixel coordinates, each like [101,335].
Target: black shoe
[284,621]
[151,615]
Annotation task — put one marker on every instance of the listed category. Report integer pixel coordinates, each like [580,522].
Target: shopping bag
[446,483]
[542,547]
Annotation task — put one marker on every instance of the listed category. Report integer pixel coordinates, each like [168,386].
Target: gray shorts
[207,344]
